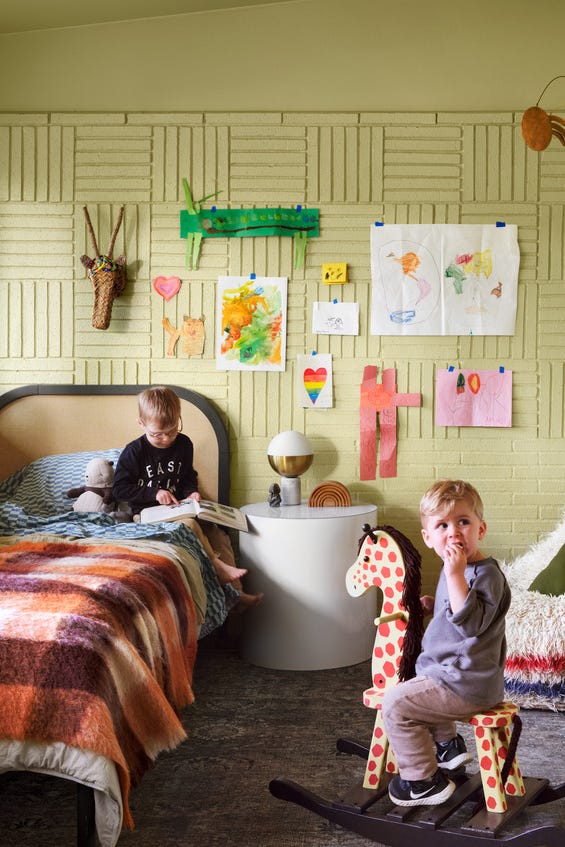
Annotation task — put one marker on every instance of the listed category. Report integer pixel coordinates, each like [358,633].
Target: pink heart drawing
[167,286]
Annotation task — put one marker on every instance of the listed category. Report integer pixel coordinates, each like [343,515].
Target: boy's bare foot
[246,601]
[227,573]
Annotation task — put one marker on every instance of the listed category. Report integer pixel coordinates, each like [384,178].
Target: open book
[206,510]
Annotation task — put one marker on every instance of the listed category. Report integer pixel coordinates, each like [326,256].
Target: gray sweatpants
[416,714]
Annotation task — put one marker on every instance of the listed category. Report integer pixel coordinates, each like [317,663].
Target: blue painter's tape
[379,223]
[335,300]
[451,368]
[500,223]
[313,352]
[299,208]
[501,370]
[252,276]
[213,209]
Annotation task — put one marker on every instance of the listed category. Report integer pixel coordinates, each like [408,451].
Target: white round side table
[298,556]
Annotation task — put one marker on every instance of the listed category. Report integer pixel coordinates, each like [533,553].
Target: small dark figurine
[274,498]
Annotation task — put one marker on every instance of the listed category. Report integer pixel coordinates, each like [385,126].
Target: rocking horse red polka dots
[493,737]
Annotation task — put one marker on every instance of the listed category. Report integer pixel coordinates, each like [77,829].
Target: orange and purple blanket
[97,648]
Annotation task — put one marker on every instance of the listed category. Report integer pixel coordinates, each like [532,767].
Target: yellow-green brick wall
[356,168]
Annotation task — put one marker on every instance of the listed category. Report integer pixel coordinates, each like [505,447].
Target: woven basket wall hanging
[108,277]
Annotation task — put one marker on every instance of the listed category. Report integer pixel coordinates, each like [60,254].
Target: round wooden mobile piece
[538,128]
[329,493]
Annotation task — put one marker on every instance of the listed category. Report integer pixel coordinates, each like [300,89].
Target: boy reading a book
[157,469]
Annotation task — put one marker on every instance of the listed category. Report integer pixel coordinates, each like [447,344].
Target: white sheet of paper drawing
[444,279]
[335,318]
[314,383]
[251,323]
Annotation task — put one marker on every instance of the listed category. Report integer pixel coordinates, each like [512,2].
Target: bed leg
[86,826]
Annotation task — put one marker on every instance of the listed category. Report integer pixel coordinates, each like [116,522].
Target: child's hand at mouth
[454,559]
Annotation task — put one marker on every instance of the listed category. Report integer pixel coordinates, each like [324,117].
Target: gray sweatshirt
[467,650]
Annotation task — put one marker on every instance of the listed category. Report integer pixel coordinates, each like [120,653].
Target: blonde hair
[444,494]
[160,404]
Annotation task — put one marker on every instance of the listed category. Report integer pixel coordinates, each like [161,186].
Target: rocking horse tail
[411,602]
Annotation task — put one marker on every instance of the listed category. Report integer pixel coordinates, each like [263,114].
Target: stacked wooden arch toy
[329,493]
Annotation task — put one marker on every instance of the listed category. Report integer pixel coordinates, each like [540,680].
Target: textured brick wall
[356,168]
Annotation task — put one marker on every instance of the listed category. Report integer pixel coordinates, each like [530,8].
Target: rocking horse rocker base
[370,812]
[482,806]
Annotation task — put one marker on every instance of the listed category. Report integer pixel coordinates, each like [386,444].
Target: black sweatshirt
[143,469]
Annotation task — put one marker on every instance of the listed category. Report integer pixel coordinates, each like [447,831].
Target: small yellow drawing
[334,272]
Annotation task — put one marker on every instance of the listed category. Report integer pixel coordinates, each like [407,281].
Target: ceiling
[28,15]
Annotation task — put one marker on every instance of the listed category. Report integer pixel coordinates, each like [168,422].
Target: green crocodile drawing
[196,224]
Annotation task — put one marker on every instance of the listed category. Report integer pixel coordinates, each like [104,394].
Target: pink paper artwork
[380,398]
[473,398]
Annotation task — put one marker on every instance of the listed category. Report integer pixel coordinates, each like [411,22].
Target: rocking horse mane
[410,600]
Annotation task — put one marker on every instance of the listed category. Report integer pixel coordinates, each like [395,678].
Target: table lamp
[290,454]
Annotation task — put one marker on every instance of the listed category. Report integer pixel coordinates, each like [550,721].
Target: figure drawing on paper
[415,286]
[444,279]
[474,398]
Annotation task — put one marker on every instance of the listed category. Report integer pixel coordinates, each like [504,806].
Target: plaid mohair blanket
[97,647]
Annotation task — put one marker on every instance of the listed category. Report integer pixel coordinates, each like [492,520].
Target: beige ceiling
[27,15]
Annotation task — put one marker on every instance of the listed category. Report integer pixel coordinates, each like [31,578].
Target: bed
[117,607]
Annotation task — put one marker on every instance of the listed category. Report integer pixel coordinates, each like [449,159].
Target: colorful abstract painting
[473,398]
[314,386]
[251,323]
[444,279]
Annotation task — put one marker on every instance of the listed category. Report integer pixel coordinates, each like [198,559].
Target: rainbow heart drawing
[314,381]
[167,286]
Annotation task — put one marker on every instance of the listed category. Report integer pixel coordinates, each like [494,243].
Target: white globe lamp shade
[290,454]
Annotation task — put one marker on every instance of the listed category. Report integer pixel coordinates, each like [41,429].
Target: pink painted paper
[473,397]
[380,398]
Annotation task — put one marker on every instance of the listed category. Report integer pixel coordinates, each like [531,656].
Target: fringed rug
[535,630]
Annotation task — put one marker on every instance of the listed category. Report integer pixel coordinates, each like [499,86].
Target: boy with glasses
[157,469]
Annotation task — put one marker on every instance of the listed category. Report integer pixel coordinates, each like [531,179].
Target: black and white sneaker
[452,754]
[421,792]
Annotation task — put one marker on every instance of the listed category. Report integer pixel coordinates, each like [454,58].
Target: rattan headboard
[43,420]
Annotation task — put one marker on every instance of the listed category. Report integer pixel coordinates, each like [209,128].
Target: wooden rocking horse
[388,561]
[382,564]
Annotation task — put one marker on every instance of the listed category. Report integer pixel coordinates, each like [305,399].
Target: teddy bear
[96,495]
